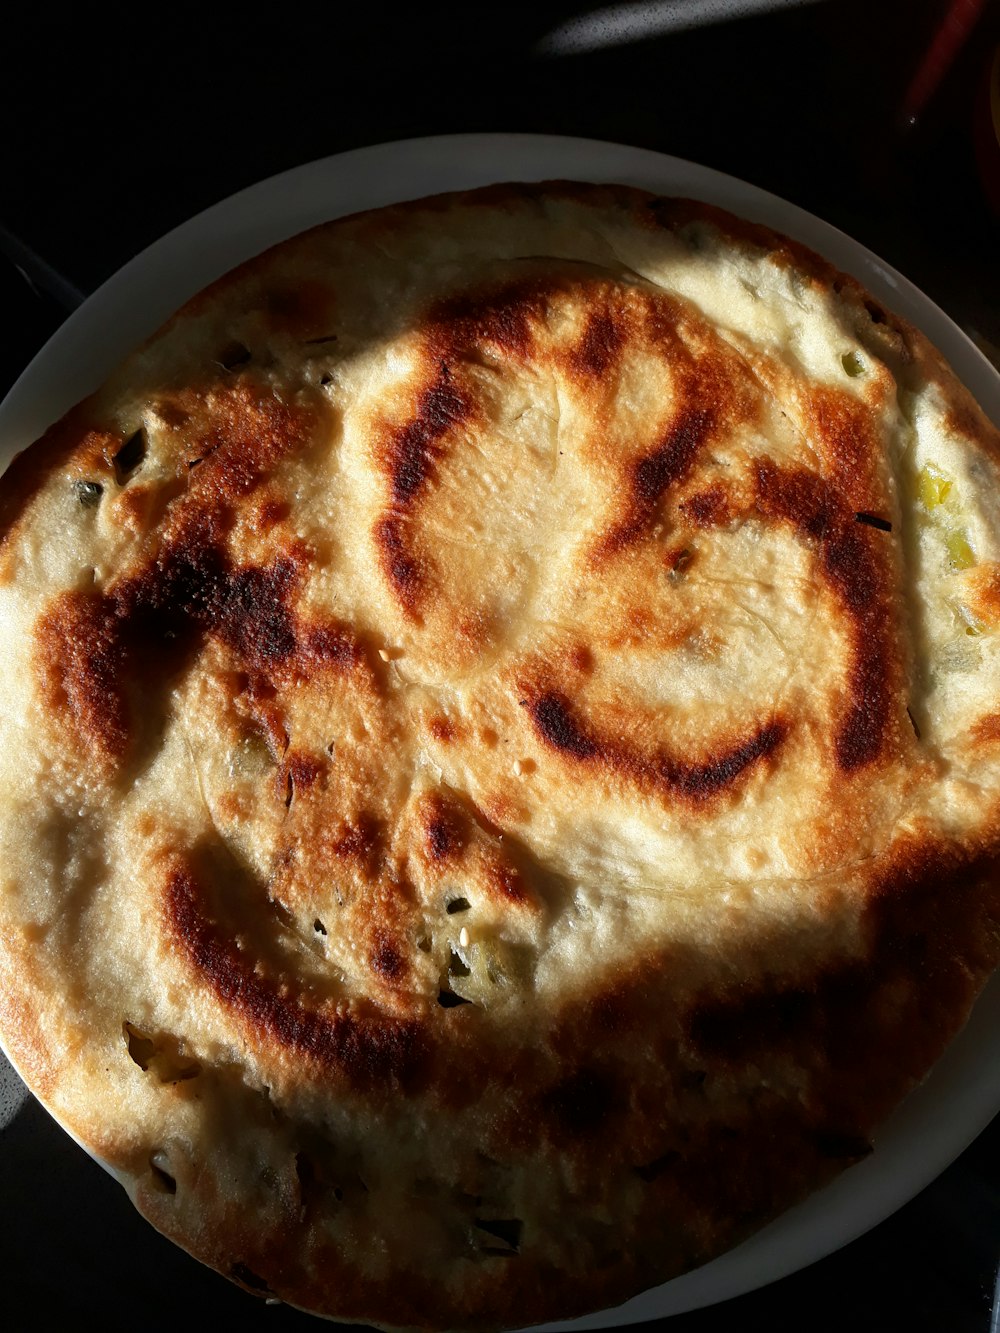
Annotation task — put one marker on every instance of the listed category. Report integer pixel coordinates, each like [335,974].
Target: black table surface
[120,125]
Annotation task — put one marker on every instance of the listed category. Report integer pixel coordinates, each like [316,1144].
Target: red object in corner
[987,129]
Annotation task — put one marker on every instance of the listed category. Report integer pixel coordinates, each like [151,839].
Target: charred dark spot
[709,508]
[302,305]
[851,566]
[233,355]
[302,770]
[318,927]
[282,913]
[403,570]
[193,586]
[359,841]
[369,1047]
[250,612]
[440,839]
[653,1170]
[273,512]
[693,781]
[488,825]
[442,729]
[148,623]
[163,1181]
[801,497]
[700,781]
[751,1022]
[677,560]
[583,1102]
[848,563]
[507,1230]
[83,654]
[332,645]
[159,1054]
[129,456]
[556,725]
[141,1047]
[861,733]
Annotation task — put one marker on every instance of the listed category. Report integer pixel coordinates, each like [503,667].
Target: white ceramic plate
[962,1094]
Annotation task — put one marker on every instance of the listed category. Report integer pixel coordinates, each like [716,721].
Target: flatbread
[501,750]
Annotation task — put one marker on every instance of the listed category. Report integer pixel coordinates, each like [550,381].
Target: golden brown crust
[503,784]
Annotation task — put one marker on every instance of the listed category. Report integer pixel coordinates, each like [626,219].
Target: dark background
[118,126]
